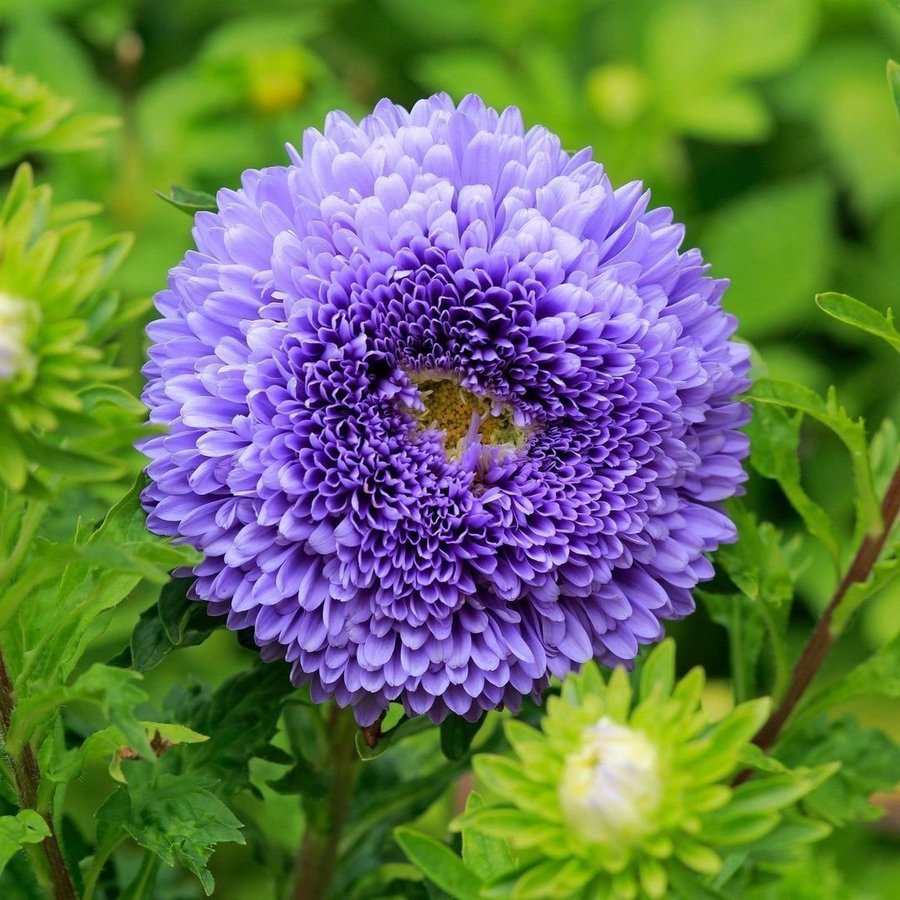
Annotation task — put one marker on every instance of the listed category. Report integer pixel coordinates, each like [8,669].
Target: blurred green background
[766,124]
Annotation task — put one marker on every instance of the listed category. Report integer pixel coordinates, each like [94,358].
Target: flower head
[615,799]
[448,415]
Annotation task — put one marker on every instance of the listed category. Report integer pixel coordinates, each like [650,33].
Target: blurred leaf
[70,463]
[690,886]
[303,779]
[439,863]
[13,462]
[869,762]
[893,73]
[852,312]
[486,855]
[35,120]
[839,93]
[883,573]
[774,244]
[700,51]
[878,675]
[189,201]
[26,827]
[746,629]
[174,816]
[36,44]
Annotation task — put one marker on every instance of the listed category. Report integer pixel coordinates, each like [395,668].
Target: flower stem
[822,638]
[319,849]
[27,777]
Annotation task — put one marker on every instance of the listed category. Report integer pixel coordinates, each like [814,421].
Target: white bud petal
[611,787]
[16,318]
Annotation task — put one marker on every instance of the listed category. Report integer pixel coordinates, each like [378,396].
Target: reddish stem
[822,639]
[28,777]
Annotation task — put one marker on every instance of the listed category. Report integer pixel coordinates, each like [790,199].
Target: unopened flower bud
[611,787]
[15,321]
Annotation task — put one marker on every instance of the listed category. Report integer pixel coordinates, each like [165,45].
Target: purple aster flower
[447,414]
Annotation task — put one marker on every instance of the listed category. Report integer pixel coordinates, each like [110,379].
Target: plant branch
[318,856]
[27,777]
[822,638]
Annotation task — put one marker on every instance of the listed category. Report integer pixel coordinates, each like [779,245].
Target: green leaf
[658,672]
[727,738]
[774,440]
[860,315]
[107,565]
[851,432]
[457,735]
[740,830]
[690,886]
[746,629]
[302,779]
[175,817]
[882,574]
[13,462]
[702,54]
[869,761]
[878,675]
[173,622]
[112,689]
[240,718]
[26,827]
[774,245]
[486,855]
[763,568]
[506,778]
[72,464]
[771,793]
[789,839]
[522,830]
[893,74]
[188,201]
[554,878]
[112,745]
[439,863]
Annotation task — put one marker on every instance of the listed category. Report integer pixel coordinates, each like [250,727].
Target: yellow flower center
[461,415]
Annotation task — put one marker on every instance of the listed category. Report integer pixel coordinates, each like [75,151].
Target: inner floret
[462,415]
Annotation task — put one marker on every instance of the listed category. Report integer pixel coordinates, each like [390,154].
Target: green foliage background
[766,124]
